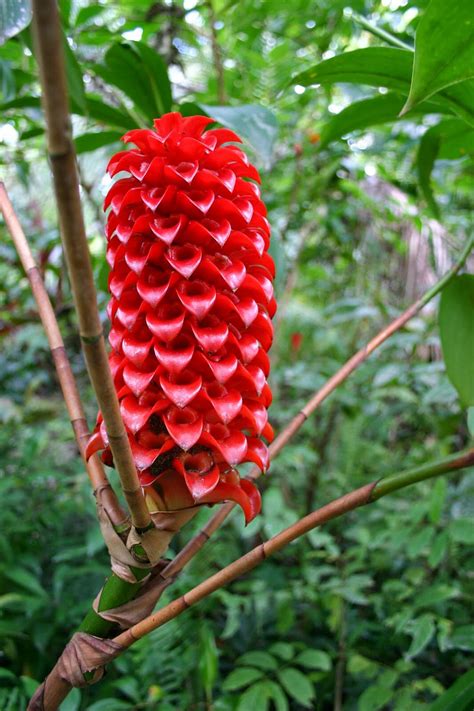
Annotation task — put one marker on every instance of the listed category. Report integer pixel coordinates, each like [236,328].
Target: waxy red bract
[191,307]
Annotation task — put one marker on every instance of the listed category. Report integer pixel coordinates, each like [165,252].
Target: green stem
[378,32]
[116,592]
[393,482]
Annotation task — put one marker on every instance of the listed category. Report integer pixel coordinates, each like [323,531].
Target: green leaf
[314,659]
[365,114]
[450,139]
[461,530]
[157,73]
[15,15]
[461,638]
[422,632]
[375,66]
[374,698]
[438,549]
[276,694]
[86,14]
[283,650]
[26,580]
[262,660]
[141,74]
[443,49]
[459,697]
[254,698]
[75,82]
[387,67]
[437,499]
[109,115]
[457,334]
[91,141]
[109,705]
[241,677]
[255,124]
[297,685]
[208,659]
[427,153]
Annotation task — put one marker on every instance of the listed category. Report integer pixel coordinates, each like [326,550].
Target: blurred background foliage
[367,209]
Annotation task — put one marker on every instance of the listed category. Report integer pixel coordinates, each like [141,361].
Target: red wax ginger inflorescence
[190,309]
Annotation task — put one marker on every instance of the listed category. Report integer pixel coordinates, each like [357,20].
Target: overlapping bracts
[190,309]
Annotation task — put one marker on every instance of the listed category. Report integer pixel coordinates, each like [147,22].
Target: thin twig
[197,542]
[50,53]
[66,378]
[364,495]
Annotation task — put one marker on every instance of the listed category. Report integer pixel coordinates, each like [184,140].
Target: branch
[48,40]
[95,470]
[196,543]
[365,495]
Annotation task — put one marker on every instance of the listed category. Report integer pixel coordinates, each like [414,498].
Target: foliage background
[373,611]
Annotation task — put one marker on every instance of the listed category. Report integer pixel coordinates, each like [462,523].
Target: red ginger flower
[190,309]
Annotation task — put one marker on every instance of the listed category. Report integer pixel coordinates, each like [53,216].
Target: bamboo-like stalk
[67,382]
[196,543]
[48,41]
[364,495]
[54,689]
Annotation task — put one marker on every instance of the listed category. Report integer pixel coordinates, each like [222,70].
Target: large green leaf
[255,124]
[443,49]
[388,67]
[363,114]
[456,324]
[157,73]
[141,74]
[375,66]
[459,697]
[15,15]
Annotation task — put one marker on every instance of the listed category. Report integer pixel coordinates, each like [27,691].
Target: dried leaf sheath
[191,307]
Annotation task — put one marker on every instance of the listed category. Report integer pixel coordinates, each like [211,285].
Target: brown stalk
[245,563]
[48,41]
[367,494]
[66,378]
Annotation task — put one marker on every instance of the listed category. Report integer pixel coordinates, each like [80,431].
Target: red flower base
[190,309]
